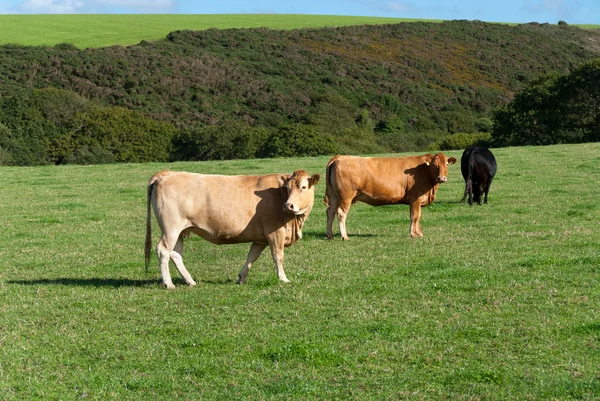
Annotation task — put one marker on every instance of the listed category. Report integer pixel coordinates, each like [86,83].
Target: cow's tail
[148,242]
[328,179]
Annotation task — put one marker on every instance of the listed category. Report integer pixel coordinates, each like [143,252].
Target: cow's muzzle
[441,178]
[289,207]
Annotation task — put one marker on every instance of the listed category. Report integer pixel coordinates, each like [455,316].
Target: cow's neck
[293,229]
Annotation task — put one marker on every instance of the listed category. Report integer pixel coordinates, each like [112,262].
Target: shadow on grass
[336,236]
[224,281]
[89,282]
[453,202]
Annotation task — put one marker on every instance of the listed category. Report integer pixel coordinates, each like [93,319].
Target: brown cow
[380,181]
[264,210]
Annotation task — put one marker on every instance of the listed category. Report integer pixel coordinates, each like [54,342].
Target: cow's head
[300,188]
[438,167]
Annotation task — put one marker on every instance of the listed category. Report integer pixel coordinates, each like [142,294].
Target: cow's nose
[288,207]
[442,179]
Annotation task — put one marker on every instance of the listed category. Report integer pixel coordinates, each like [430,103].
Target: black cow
[478,167]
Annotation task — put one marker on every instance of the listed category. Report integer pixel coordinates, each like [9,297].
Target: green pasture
[496,302]
[85,30]
[99,30]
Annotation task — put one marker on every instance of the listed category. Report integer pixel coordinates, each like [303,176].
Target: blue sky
[572,11]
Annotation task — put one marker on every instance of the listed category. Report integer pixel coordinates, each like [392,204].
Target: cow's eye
[303,187]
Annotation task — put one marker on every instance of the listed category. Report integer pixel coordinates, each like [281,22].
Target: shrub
[354,140]
[459,121]
[484,124]
[553,109]
[89,155]
[461,141]
[6,158]
[298,140]
[228,140]
[126,134]
[407,141]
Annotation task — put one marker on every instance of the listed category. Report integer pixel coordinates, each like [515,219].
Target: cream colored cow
[264,210]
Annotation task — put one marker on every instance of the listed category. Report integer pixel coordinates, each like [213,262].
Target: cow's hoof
[192,283]
[170,286]
[345,238]
[284,280]
[240,280]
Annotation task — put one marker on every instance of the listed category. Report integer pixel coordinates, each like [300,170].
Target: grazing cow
[383,181]
[478,167]
[264,210]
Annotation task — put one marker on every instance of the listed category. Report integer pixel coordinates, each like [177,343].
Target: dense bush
[58,126]
[462,141]
[128,135]
[298,140]
[553,109]
[228,140]
[89,155]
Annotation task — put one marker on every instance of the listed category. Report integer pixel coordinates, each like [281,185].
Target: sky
[552,11]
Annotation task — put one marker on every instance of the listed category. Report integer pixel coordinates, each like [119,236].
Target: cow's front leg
[415,218]
[255,251]
[276,243]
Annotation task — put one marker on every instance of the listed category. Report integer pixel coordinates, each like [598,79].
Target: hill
[352,89]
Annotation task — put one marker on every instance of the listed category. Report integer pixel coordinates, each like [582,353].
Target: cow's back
[483,156]
[476,159]
[219,208]
[376,180]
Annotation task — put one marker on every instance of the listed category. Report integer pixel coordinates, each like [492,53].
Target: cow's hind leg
[342,213]
[255,251]
[465,193]
[480,192]
[331,212]
[470,191]
[487,189]
[165,246]
[176,257]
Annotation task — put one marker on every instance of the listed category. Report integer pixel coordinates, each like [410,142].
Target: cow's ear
[452,160]
[314,180]
[282,180]
[427,159]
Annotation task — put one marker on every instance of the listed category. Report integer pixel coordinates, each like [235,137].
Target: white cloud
[96,6]
[51,6]
[402,7]
[557,8]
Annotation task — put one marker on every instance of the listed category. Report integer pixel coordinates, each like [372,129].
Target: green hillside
[240,93]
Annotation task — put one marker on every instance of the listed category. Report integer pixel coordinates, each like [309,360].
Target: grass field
[99,30]
[496,302]
[121,29]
